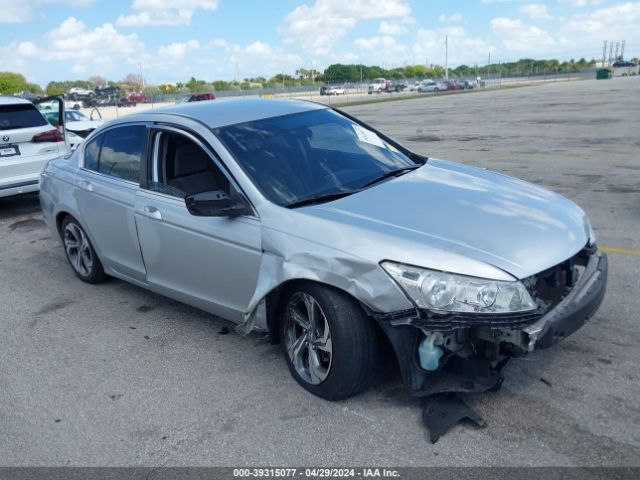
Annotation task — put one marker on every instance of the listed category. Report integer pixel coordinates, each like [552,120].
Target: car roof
[220,113]
[6,100]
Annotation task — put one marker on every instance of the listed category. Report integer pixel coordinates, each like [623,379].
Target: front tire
[329,343]
[80,253]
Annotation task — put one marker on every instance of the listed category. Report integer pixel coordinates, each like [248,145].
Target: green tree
[11,82]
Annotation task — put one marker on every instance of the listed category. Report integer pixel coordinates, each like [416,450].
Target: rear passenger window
[92,152]
[122,151]
[117,152]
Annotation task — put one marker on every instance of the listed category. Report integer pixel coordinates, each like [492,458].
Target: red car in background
[197,97]
[452,85]
[137,97]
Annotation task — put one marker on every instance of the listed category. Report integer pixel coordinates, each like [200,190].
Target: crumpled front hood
[445,213]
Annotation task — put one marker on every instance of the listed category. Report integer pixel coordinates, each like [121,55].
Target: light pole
[446,57]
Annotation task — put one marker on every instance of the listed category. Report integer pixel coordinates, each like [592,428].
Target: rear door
[27,143]
[107,184]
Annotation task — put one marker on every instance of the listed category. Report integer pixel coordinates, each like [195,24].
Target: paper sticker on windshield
[367,136]
[392,148]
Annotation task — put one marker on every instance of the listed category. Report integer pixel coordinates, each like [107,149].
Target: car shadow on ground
[19,205]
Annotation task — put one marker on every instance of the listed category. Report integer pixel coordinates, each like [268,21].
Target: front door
[208,262]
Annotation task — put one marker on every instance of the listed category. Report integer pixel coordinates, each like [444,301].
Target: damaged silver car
[296,219]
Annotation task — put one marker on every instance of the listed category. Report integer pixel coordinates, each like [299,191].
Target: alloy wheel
[78,250]
[308,338]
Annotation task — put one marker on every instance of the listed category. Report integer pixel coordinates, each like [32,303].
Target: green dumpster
[603,74]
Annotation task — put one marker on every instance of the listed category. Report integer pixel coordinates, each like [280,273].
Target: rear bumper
[574,311]
[18,188]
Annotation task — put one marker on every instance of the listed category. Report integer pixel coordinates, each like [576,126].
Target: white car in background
[27,142]
[431,86]
[77,125]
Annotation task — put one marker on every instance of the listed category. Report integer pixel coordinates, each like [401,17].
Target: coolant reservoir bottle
[429,354]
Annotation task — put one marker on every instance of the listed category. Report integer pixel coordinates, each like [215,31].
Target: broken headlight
[448,292]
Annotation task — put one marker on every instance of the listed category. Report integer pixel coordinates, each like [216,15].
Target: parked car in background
[197,97]
[452,85]
[332,90]
[137,97]
[107,90]
[27,95]
[467,85]
[295,219]
[77,124]
[76,94]
[396,86]
[377,85]
[431,86]
[27,142]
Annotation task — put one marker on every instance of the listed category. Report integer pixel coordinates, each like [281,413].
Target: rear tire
[332,351]
[80,253]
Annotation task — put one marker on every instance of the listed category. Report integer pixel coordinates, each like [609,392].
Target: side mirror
[216,204]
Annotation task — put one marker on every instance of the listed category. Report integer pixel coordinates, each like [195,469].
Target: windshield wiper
[392,173]
[326,197]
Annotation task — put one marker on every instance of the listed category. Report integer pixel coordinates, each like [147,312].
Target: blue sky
[173,40]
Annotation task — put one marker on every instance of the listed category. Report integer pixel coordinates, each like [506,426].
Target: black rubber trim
[18,185]
[431,321]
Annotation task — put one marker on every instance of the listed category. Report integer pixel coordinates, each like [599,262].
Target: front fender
[287,258]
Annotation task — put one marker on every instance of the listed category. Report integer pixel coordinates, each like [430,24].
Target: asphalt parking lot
[115,375]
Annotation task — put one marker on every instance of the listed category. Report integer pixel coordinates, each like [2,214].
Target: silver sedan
[299,220]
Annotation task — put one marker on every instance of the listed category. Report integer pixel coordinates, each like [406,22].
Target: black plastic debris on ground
[443,412]
[223,331]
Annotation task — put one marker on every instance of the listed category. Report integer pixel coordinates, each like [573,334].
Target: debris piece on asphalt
[443,412]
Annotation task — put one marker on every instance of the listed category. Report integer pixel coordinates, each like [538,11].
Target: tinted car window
[92,153]
[303,155]
[122,151]
[20,116]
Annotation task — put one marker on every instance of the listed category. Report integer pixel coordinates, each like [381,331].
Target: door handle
[86,185]
[151,212]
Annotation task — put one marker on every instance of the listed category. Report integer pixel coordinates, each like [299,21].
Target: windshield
[305,155]
[21,115]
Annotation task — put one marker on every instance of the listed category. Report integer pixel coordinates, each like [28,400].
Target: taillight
[48,136]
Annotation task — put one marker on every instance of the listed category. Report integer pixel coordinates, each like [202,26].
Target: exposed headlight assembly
[448,292]
[591,233]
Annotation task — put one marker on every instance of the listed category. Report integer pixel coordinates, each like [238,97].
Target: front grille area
[549,287]
[454,321]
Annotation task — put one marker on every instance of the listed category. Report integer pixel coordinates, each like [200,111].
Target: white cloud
[581,3]
[164,12]
[381,48]
[73,41]
[317,27]
[430,45]
[177,51]
[455,17]
[27,50]
[620,21]
[516,36]
[390,28]
[18,11]
[536,11]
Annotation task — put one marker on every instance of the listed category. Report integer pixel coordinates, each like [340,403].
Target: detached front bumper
[481,346]
[574,310]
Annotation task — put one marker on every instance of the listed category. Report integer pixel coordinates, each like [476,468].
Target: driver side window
[184,168]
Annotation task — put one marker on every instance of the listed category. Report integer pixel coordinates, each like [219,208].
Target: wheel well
[275,306]
[275,303]
[60,218]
